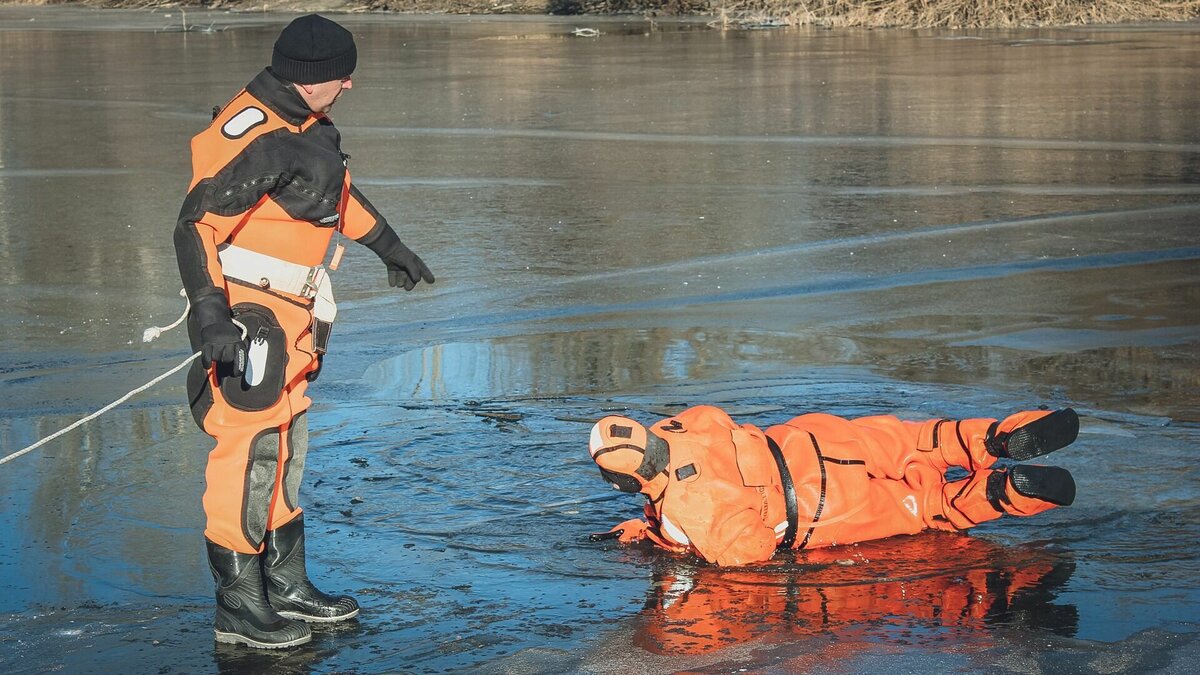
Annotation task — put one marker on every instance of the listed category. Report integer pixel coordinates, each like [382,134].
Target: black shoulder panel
[303,173]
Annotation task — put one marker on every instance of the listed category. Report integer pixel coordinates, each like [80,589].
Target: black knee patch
[1048,483]
[1043,436]
[261,386]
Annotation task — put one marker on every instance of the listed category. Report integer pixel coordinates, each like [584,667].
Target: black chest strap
[789,495]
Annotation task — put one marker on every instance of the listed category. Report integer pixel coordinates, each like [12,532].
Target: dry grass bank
[960,13]
[827,13]
[844,13]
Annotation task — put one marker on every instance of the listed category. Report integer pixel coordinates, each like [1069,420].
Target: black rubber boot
[1040,437]
[288,587]
[243,615]
[1027,489]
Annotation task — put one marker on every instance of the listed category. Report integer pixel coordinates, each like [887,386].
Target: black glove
[404,267]
[221,340]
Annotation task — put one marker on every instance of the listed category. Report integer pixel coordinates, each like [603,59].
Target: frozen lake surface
[922,223]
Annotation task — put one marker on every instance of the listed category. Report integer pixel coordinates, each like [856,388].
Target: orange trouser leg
[968,502]
[242,472]
[254,472]
[880,507]
[862,509]
[892,445]
[905,489]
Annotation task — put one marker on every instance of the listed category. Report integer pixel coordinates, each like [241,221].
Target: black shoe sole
[1048,483]
[1043,436]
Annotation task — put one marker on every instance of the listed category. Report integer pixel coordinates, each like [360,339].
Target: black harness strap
[843,462]
[789,495]
[821,501]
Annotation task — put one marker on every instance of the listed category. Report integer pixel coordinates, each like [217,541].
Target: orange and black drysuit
[269,179]
[734,494]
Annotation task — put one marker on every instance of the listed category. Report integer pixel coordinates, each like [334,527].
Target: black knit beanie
[313,49]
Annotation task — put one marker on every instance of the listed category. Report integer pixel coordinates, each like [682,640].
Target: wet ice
[776,222]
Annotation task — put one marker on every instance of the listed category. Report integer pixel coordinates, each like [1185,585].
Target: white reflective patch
[680,587]
[780,529]
[595,442]
[243,121]
[256,365]
[910,503]
[673,532]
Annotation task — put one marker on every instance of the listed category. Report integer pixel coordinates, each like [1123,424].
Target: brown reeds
[953,13]
[734,13]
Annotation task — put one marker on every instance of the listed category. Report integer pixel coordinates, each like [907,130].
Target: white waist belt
[271,273]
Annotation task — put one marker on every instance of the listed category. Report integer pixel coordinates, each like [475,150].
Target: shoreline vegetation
[738,13]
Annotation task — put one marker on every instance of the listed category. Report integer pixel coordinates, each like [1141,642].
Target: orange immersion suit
[853,480]
[269,177]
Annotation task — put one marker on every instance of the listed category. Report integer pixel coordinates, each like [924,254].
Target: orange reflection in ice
[933,582]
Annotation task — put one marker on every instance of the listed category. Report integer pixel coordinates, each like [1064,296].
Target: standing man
[269,191]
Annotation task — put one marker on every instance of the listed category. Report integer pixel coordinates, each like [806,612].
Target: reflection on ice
[934,585]
[584,362]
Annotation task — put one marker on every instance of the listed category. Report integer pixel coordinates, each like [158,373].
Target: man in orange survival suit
[733,494]
[269,189]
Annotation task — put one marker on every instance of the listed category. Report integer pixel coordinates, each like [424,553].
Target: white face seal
[595,442]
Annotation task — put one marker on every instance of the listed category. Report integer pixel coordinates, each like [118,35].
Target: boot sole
[1048,483]
[236,639]
[318,619]
[1043,436]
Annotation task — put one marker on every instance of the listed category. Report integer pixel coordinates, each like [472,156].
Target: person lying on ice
[733,494]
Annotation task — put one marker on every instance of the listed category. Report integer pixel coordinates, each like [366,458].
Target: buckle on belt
[309,290]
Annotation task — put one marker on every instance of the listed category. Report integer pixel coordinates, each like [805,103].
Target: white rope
[151,333]
[103,410]
[154,331]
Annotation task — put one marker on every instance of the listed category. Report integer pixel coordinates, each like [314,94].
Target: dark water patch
[1045,222]
[81,102]
[460,183]
[791,140]
[950,190]
[61,173]
[739,276]
[1059,340]
[843,285]
[472,554]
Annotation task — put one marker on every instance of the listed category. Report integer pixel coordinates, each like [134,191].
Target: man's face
[321,96]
